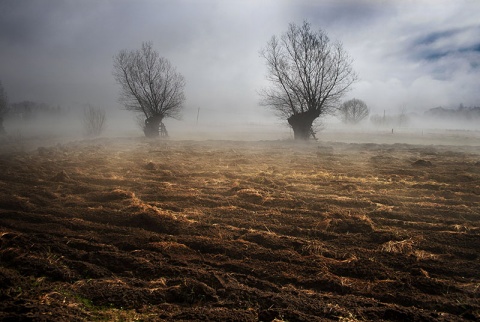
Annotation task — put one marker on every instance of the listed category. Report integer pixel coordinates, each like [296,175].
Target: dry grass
[402,247]
[185,230]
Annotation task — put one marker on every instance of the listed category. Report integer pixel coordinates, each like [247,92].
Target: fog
[410,56]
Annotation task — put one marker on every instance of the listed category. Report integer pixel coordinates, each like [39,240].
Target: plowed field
[133,229]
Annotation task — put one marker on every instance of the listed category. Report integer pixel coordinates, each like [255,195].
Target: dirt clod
[422,163]
[151,166]
[61,176]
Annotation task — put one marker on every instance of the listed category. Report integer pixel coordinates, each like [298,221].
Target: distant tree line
[94,118]
[400,119]
[460,113]
[30,110]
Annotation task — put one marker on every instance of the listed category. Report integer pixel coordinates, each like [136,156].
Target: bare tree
[309,74]
[150,85]
[353,111]
[403,117]
[93,121]
[3,107]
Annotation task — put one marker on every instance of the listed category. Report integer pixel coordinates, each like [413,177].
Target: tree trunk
[302,124]
[152,126]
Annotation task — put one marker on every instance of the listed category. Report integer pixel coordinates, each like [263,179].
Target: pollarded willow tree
[309,75]
[353,111]
[150,85]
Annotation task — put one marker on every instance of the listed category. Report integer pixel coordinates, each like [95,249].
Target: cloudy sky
[413,54]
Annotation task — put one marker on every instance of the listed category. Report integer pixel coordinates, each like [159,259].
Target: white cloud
[423,55]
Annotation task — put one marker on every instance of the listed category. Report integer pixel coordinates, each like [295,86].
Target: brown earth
[132,229]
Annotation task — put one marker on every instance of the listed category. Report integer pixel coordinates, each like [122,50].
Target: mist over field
[411,56]
[46,130]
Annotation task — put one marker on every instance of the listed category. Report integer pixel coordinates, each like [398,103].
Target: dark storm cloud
[435,36]
[61,51]
[345,14]
[445,52]
[439,44]
[27,23]
[438,54]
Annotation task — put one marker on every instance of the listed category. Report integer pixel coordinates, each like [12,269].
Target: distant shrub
[93,121]
[353,111]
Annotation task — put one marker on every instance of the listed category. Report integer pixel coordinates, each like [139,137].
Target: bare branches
[93,121]
[353,111]
[149,83]
[309,73]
